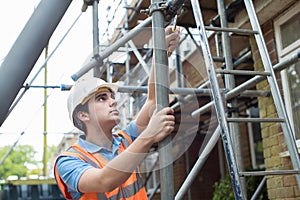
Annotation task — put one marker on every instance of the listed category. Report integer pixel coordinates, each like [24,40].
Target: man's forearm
[121,167]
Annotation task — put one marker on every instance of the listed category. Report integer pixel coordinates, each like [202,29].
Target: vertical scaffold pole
[96,69]
[45,115]
[162,99]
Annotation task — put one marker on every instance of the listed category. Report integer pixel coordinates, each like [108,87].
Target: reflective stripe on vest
[131,189]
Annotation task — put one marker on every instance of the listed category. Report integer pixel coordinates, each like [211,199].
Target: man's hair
[76,121]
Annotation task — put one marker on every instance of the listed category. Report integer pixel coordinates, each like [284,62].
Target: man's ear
[83,116]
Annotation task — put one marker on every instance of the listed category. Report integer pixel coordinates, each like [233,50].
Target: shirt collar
[93,148]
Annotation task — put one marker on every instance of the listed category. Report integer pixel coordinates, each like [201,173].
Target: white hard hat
[84,87]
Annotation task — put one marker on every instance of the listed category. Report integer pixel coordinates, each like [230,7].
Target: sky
[70,56]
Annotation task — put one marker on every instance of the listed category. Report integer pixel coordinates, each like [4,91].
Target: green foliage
[50,151]
[252,184]
[17,161]
[223,188]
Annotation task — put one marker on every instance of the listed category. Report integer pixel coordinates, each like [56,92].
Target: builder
[103,165]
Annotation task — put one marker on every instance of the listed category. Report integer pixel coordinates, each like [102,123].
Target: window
[290,29]
[152,176]
[287,35]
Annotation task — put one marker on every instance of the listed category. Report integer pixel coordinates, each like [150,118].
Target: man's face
[103,109]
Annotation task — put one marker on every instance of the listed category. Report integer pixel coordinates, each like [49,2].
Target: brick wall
[279,187]
[202,186]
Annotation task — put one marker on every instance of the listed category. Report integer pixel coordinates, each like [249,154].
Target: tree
[17,161]
[50,151]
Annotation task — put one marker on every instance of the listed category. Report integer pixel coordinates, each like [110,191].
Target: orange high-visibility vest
[131,189]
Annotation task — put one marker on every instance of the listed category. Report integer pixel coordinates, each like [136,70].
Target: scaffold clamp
[99,59]
[170,8]
[158,6]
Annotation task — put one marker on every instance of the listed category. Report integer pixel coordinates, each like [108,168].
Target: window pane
[290,31]
[293,73]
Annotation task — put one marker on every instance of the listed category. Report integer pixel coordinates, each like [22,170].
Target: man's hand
[172,38]
[160,125]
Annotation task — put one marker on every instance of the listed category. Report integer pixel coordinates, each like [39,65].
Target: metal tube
[287,61]
[259,188]
[218,46]
[255,93]
[142,89]
[179,74]
[27,49]
[254,120]
[154,191]
[45,116]
[95,28]
[180,84]
[242,72]
[182,91]
[127,62]
[199,164]
[234,30]
[110,49]
[139,57]
[187,169]
[230,84]
[43,86]
[270,173]
[162,100]
[96,69]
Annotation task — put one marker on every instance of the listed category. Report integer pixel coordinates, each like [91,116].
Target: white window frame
[285,52]
[252,144]
[151,163]
[282,52]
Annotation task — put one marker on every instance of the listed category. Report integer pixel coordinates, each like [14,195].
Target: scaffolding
[161,13]
[220,83]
